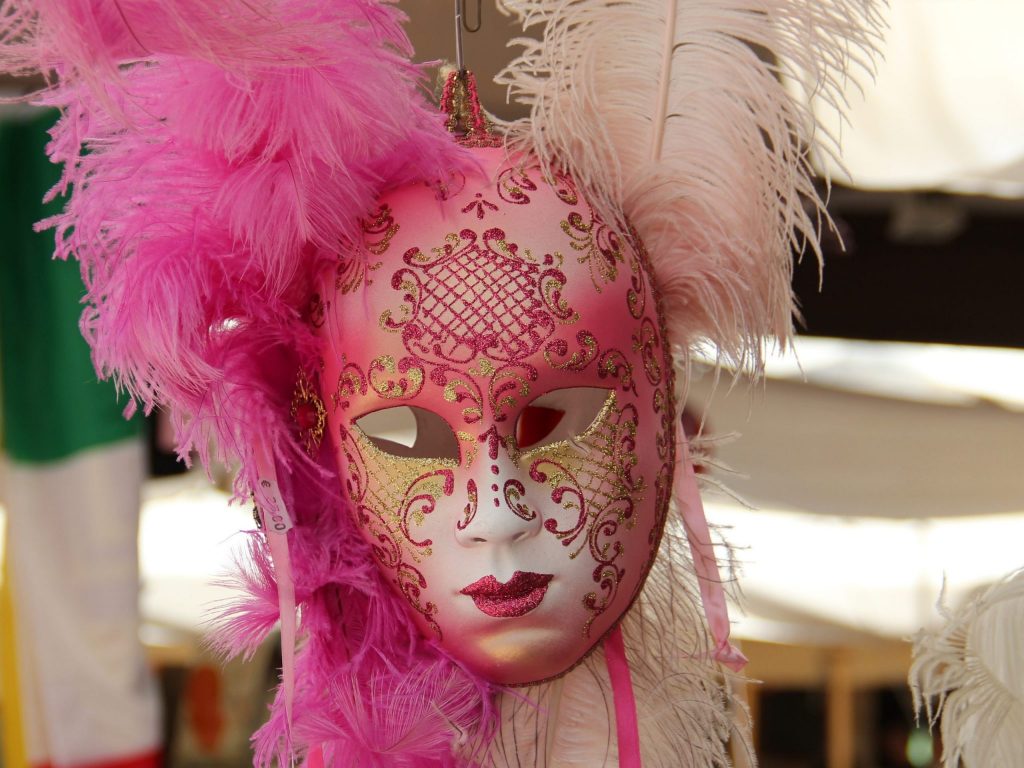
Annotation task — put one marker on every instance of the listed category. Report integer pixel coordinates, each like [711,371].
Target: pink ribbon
[286,606]
[277,522]
[625,702]
[712,594]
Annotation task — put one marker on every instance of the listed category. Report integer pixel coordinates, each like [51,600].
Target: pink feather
[218,156]
[223,172]
[370,690]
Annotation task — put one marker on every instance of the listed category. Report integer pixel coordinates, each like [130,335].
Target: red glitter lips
[520,595]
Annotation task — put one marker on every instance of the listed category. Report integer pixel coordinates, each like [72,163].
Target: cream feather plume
[969,676]
[673,116]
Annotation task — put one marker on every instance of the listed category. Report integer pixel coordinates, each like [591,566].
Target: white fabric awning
[838,579]
[899,431]
[876,473]
[947,106]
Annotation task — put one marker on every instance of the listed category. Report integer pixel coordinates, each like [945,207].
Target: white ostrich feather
[672,115]
[969,678]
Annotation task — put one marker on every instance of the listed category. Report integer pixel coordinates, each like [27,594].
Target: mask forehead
[471,307]
[560,300]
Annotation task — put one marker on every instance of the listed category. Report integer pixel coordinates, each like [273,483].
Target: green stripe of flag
[53,405]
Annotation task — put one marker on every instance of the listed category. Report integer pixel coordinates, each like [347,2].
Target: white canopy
[946,107]
[891,468]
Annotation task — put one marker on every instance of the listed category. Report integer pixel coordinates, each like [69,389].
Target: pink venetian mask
[499,391]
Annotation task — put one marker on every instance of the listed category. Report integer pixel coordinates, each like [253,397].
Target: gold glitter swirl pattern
[514,492]
[383,370]
[393,496]
[568,494]
[411,584]
[646,343]
[507,386]
[353,273]
[614,364]
[379,230]
[579,359]
[565,189]
[635,301]
[409,286]
[385,549]
[400,488]
[608,577]
[665,441]
[636,295]
[514,186]
[598,245]
[420,500]
[552,281]
[351,382]
[463,391]
[642,273]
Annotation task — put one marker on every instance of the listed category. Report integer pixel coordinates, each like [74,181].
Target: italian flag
[75,688]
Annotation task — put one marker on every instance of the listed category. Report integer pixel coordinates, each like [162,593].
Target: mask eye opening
[409,432]
[535,423]
[560,415]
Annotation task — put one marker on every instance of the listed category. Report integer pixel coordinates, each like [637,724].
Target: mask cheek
[398,503]
[596,506]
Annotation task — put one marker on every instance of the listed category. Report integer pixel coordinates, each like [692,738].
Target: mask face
[499,392]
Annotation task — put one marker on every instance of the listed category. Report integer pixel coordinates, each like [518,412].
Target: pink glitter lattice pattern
[481,300]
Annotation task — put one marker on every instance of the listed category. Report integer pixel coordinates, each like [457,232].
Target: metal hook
[461,24]
[479,16]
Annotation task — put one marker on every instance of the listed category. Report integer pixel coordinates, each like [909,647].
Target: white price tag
[275,512]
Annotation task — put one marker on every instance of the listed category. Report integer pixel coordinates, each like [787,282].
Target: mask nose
[499,510]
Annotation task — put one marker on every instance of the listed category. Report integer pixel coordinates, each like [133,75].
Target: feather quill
[673,116]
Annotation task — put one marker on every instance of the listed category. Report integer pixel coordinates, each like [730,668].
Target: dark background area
[922,267]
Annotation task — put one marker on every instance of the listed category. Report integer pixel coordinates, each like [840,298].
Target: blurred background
[876,470]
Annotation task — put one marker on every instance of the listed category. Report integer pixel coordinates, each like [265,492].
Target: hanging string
[461,24]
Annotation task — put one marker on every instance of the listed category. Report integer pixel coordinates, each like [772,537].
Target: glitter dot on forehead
[494,486]
[494,469]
